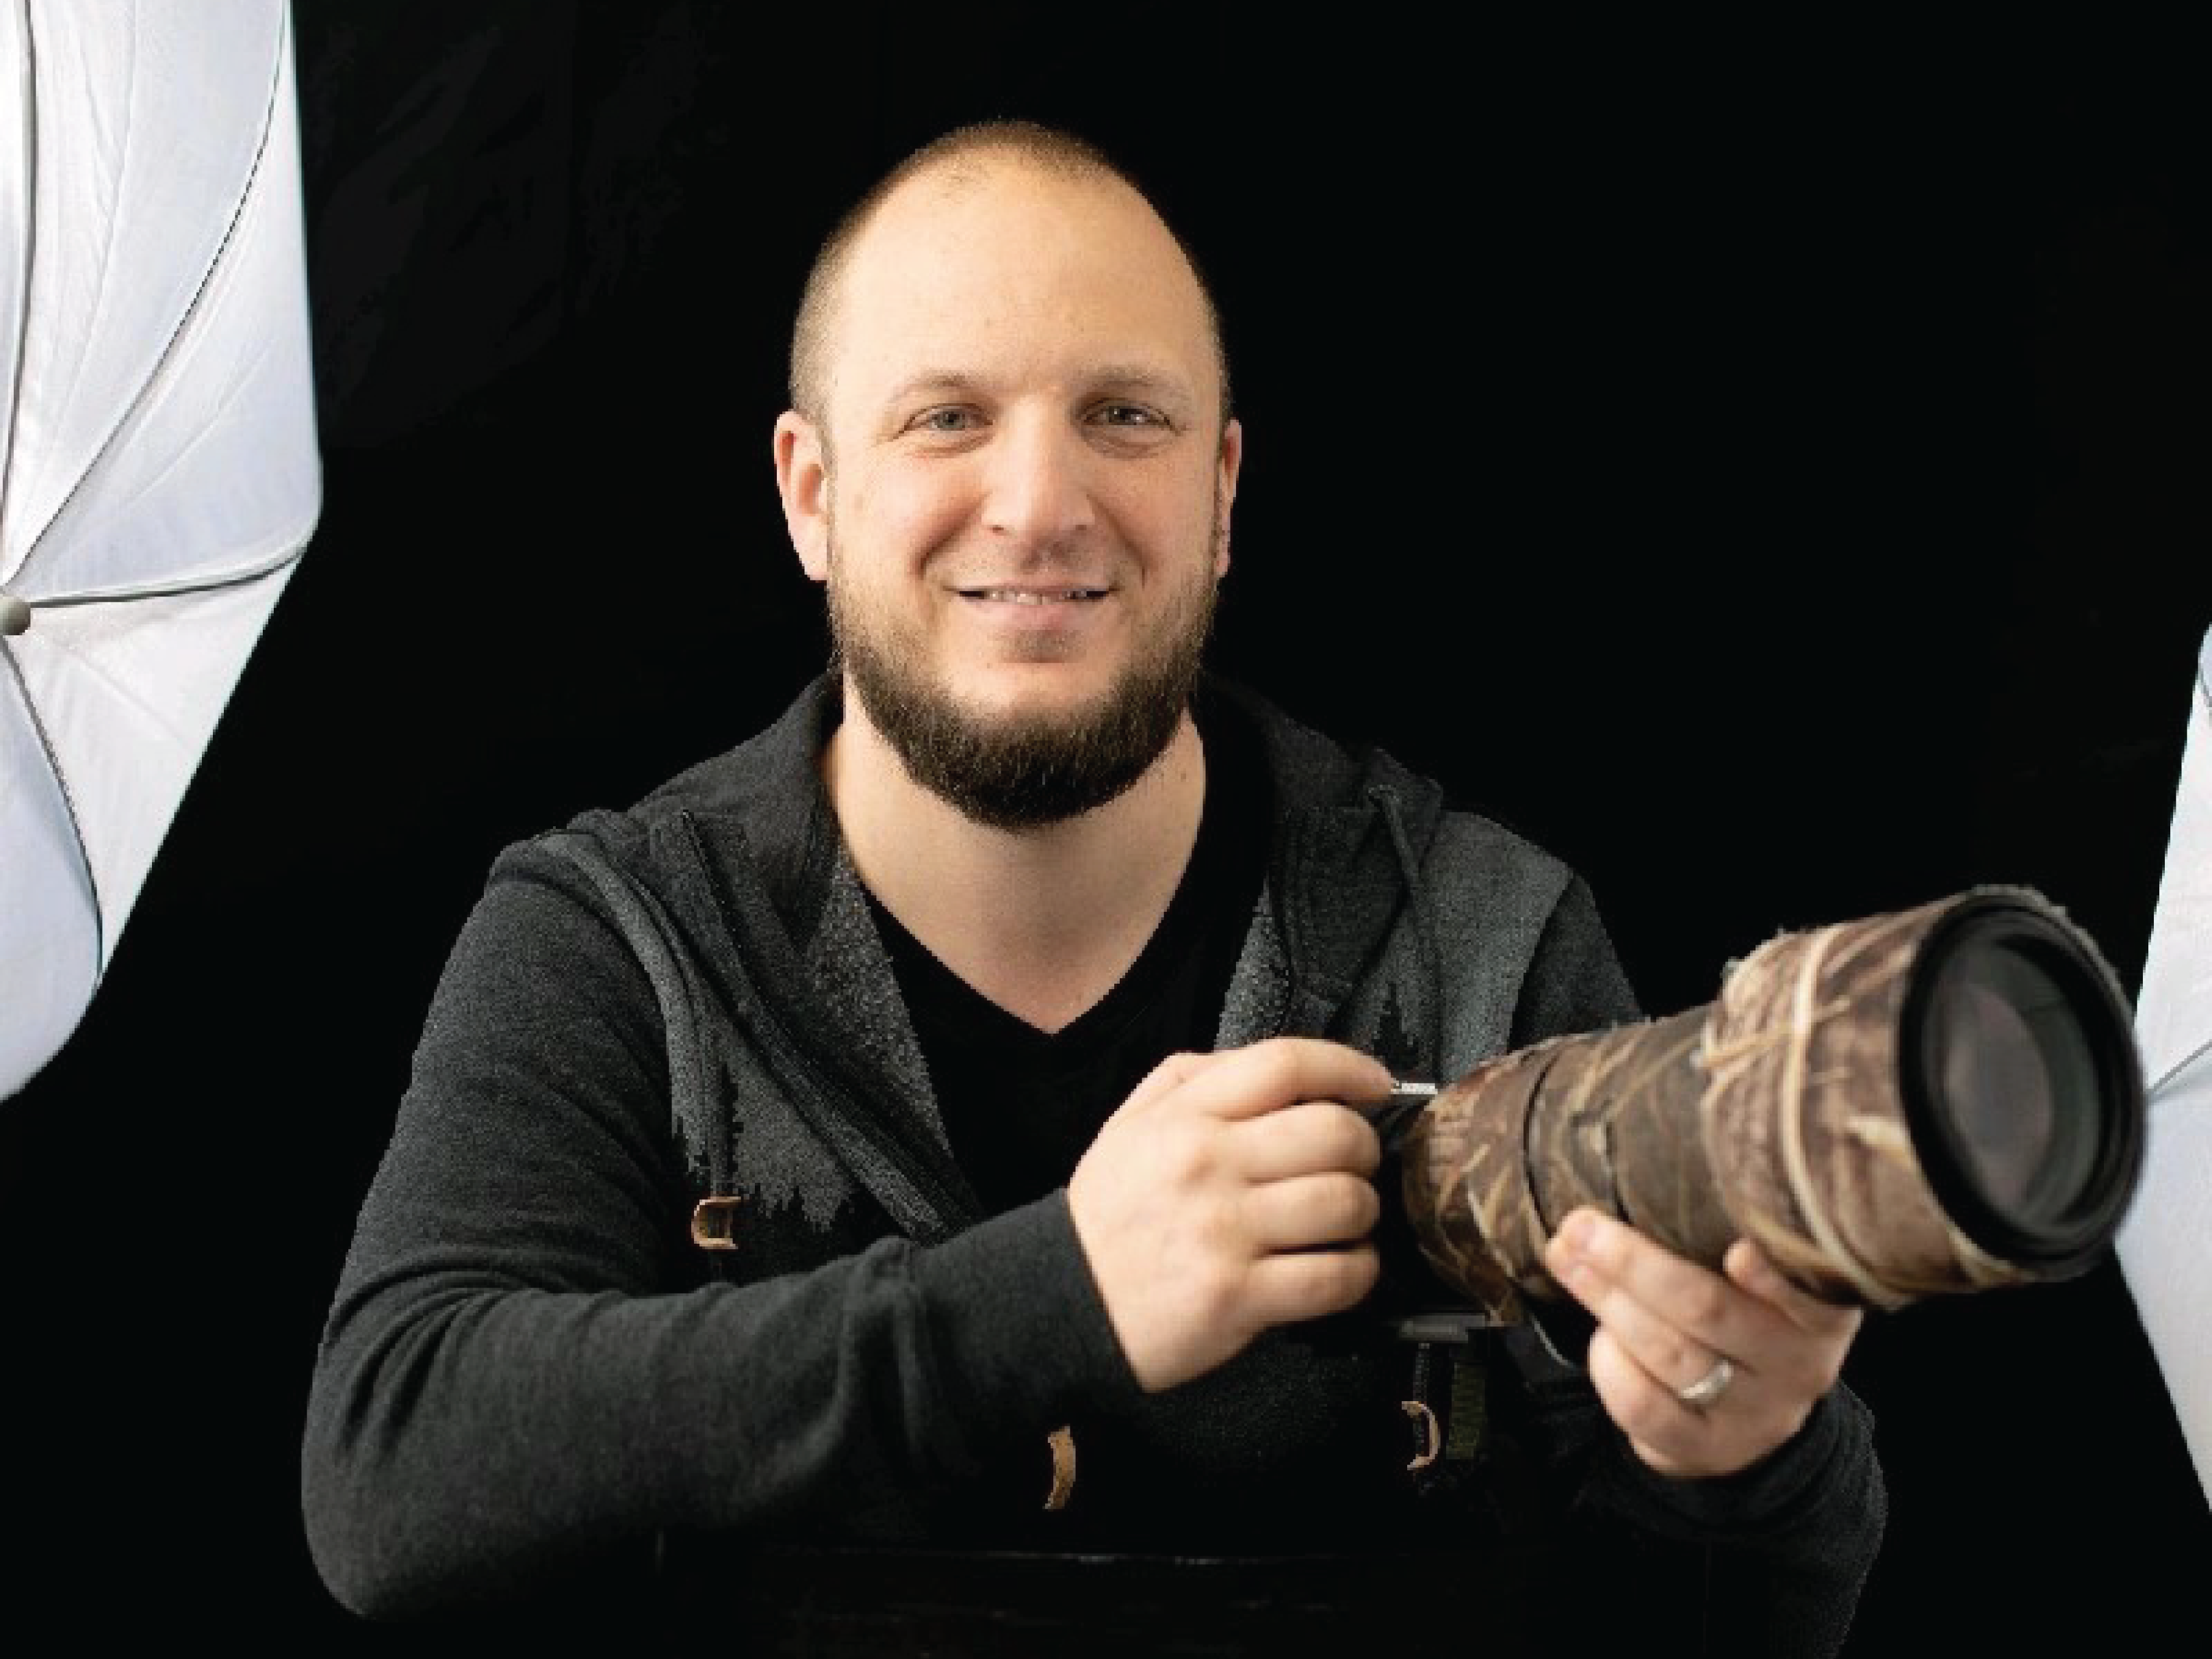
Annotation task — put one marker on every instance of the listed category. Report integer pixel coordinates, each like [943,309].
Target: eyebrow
[1133,378]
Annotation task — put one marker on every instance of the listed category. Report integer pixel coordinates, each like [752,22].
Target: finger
[1672,1355]
[1750,1267]
[1298,1285]
[1670,1436]
[1307,1139]
[1264,1077]
[1597,1257]
[1166,1077]
[1312,1210]
[1668,1354]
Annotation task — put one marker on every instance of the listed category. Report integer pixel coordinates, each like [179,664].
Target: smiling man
[1014,477]
[1034,468]
[948,1116]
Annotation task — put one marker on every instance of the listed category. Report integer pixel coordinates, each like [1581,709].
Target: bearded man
[948,1117]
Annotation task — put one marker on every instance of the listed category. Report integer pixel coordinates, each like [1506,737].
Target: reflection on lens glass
[2018,1090]
[1996,1092]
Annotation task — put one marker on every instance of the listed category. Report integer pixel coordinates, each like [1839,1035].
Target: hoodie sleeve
[522,1374]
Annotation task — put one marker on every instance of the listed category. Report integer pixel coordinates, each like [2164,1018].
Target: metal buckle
[714,1222]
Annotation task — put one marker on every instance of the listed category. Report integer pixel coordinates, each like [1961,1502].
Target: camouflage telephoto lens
[2019,1083]
[1941,1099]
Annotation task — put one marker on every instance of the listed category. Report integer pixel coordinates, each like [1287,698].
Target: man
[948,1117]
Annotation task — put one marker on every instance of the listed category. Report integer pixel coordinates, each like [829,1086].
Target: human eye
[1128,416]
[1124,426]
[945,420]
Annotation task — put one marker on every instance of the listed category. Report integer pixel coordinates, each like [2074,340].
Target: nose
[1038,487]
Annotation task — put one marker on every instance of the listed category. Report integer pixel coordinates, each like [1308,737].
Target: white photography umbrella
[159,471]
[2166,1242]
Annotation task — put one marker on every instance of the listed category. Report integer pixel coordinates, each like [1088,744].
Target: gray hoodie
[533,1378]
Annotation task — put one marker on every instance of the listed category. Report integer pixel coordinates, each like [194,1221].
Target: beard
[1025,770]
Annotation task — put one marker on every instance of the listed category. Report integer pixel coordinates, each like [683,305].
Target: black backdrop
[1763,466]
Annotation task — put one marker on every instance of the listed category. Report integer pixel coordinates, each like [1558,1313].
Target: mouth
[1033,595]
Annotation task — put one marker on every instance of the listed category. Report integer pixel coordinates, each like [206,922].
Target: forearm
[468,1440]
[1787,1544]
[525,1364]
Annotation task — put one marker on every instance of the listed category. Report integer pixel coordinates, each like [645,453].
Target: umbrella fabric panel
[213,471]
[15,151]
[148,126]
[2166,1242]
[128,694]
[50,963]
[2174,1011]
[159,468]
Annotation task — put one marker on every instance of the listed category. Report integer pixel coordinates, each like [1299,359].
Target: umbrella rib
[2182,1065]
[172,589]
[69,805]
[199,295]
[30,89]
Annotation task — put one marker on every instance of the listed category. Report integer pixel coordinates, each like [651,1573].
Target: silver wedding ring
[1709,1387]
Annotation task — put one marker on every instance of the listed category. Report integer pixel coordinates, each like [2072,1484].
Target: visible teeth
[1031,596]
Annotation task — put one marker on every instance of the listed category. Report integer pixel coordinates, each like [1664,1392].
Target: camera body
[1411,1302]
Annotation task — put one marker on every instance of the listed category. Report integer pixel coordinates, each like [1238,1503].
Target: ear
[1226,465]
[802,480]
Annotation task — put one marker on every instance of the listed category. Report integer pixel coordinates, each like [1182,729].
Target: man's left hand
[1665,1323]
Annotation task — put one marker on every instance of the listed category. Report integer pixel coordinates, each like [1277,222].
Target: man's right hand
[1231,1193]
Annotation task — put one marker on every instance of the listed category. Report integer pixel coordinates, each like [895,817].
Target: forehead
[998,268]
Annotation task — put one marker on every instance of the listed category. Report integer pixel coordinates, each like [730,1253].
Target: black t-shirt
[1021,1105]
[1203,1467]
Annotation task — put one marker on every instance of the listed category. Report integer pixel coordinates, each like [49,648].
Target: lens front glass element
[2025,1082]
[2016,1085]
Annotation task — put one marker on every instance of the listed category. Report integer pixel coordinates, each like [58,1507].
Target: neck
[1044,921]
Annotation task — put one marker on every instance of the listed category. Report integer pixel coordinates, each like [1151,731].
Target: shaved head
[960,156]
